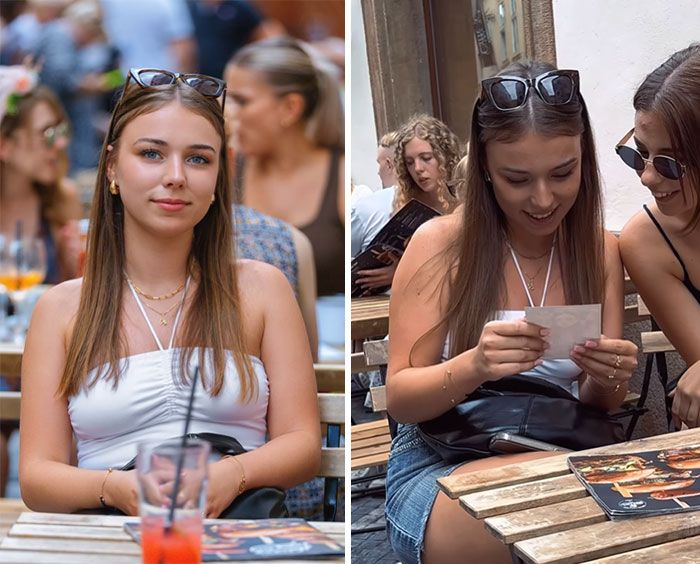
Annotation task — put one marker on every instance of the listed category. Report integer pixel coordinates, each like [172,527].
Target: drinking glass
[156,468]
[22,266]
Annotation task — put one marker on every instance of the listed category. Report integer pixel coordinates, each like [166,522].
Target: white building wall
[614,45]
[363,133]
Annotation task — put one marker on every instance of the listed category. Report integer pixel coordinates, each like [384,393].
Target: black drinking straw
[18,255]
[181,456]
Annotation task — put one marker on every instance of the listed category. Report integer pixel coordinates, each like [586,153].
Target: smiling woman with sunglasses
[529,232]
[109,358]
[661,245]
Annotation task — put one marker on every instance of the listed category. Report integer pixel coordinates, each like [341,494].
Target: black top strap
[668,241]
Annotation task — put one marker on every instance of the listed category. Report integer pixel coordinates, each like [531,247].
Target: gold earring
[213,198]
[113,188]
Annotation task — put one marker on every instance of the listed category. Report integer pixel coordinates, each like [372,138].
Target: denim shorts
[411,489]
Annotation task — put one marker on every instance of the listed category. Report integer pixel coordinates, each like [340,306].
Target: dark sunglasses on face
[555,88]
[667,167]
[206,85]
[53,133]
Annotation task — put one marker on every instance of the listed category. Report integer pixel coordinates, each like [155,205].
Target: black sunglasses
[555,88]
[667,167]
[206,85]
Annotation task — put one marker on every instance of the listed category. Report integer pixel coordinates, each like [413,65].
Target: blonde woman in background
[425,155]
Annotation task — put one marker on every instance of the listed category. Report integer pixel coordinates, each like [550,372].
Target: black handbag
[256,503]
[522,405]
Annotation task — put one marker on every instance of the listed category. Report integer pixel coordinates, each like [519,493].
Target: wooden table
[369,317]
[10,359]
[543,513]
[60,538]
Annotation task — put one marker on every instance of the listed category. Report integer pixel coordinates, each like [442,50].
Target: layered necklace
[529,285]
[162,314]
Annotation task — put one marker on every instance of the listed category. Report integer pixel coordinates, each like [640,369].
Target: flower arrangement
[15,81]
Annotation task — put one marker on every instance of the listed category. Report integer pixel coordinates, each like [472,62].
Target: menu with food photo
[261,539]
[389,244]
[642,483]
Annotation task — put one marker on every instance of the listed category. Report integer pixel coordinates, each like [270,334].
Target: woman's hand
[224,480]
[509,347]
[379,277]
[686,398]
[608,362]
[121,491]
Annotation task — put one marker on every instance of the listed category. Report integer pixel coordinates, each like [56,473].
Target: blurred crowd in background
[63,64]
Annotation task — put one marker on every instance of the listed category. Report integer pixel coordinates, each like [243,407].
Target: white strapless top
[150,403]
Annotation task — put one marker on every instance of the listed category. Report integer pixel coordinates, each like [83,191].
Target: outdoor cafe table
[545,516]
[61,538]
[369,317]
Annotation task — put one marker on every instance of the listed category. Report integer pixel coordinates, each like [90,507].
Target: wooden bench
[330,377]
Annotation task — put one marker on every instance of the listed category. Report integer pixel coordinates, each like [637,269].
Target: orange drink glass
[156,468]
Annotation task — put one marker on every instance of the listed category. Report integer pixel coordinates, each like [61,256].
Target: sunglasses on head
[667,167]
[555,88]
[206,85]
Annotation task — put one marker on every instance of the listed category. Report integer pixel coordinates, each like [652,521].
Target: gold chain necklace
[162,314]
[155,298]
[531,279]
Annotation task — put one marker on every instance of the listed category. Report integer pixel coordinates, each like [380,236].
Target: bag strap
[222,444]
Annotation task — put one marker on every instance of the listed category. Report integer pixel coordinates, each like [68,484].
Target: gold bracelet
[102,489]
[601,388]
[448,376]
[241,485]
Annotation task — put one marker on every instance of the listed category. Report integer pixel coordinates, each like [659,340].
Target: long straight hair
[672,92]
[214,318]
[475,279]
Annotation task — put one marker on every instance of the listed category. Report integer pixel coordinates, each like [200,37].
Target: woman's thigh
[452,535]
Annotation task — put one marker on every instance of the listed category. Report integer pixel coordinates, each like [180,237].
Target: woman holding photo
[529,232]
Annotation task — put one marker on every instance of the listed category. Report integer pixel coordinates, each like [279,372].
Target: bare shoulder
[59,305]
[255,274]
[639,233]
[435,235]
[420,266]
[261,285]
[65,296]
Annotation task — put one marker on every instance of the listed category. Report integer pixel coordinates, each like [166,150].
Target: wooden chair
[655,345]
[9,406]
[331,407]
[330,377]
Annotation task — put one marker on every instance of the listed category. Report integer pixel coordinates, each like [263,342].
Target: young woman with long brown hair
[530,232]
[660,246]
[110,357]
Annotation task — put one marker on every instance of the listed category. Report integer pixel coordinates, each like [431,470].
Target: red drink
[181,545]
